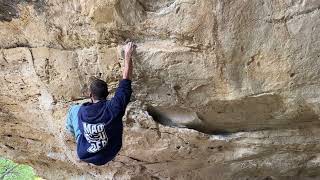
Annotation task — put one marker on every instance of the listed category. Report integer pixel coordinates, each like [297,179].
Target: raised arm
[123,93]
[127,71]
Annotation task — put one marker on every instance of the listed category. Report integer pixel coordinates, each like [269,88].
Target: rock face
[222,89]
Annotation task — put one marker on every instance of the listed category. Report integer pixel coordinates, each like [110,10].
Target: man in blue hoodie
[97,125]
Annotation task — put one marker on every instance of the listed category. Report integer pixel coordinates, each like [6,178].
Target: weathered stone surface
[244,75]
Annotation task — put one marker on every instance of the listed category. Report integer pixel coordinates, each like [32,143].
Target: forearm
[127,70]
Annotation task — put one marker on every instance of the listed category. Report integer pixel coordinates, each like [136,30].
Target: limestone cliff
[222,89]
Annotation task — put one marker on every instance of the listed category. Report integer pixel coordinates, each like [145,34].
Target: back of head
[99,89]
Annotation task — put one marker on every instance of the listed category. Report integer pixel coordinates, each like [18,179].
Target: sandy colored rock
[222,89]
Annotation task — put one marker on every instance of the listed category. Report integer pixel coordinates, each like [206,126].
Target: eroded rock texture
[222,89]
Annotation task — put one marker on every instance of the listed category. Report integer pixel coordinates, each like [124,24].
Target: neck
[94,101]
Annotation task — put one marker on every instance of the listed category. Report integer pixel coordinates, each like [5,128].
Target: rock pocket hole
[181,118]
[10,147]
[222,117]
[292,75]
[155,5]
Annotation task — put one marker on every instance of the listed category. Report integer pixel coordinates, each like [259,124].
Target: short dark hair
[99,89]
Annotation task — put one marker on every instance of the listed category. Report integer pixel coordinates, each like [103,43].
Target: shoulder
[74,107]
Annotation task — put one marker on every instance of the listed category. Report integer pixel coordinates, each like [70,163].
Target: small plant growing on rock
[13,171]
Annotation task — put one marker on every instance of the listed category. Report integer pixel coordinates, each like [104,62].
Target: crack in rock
[285,19]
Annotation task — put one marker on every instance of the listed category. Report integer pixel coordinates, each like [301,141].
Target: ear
[85,91]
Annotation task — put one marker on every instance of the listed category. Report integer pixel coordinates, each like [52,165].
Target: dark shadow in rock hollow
[155,5]
[182,118]
[245,114]
[160,117]
[9,8]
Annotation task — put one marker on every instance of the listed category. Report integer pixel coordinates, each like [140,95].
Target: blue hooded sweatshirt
[101,126]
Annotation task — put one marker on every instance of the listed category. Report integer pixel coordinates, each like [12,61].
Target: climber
[97,125]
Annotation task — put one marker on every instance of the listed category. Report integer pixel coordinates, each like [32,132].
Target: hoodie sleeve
[121,98]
